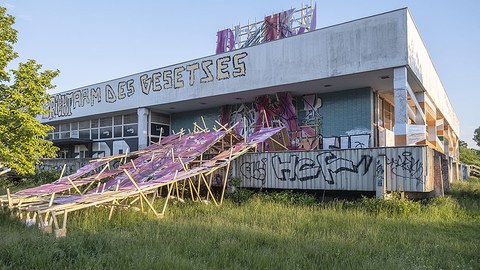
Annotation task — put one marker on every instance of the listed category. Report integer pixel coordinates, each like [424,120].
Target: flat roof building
[366,83]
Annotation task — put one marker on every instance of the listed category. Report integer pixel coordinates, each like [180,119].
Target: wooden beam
[74,186]
[141,193]
[208,189]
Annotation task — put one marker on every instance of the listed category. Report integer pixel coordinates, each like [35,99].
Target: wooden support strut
[114,201]
[96,178]
[208,188]
[133,164]
[9,198]
[63,170]
[141,193]
[244,129]
[204,124]
[226,177]
[170,188]
[198,127]
[191,184]
[277,142]
[74,186]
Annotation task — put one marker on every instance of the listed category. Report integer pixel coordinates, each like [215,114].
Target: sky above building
[92,41]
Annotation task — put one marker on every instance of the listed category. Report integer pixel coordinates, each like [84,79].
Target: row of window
[117,126]
[106,128]
[98,133]
[117,120]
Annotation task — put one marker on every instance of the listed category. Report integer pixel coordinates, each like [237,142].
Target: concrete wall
[371,43]
[55,164]
[186,119]
[421,64]
[408,169]
[346,112]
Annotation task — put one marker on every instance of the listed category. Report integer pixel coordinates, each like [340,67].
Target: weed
[261,230]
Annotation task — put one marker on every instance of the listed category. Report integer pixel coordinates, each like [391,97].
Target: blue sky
[93,41]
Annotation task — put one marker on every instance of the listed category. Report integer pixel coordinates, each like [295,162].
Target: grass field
[262,231]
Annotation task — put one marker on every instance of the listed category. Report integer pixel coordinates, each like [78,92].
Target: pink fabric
[225,37]
[272,27]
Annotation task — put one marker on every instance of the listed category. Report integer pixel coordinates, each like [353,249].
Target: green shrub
[40,177]
[5,183]
[240,195]
[391,208]
[289,197]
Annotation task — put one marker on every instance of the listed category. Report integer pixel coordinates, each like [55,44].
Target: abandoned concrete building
[360,101]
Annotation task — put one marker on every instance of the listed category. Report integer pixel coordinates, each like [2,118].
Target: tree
[469,155]
[22,142]
[476,136]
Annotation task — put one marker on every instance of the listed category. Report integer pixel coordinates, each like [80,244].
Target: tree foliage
[22,142]
[469,155]
[476,136]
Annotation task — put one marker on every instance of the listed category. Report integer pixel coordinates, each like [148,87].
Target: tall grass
[262,231]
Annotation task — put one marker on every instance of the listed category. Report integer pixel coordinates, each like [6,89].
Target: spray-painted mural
[300,116]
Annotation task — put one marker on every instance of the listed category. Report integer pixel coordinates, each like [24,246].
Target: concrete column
[142,127]
[400,99]
[380,177]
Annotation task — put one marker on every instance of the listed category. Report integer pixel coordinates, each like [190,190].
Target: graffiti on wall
[406,166]
[327,166]
[254,170]
[278,111]
[244,115]
[71,166]
[379,173]
[311,105]
[202,72]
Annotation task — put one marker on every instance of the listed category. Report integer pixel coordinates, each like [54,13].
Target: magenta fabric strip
[223,37]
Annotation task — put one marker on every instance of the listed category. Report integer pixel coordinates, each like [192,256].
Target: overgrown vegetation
[40,177]
[286,230]
[469,155]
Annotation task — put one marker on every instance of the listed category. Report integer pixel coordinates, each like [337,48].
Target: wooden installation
[178,166]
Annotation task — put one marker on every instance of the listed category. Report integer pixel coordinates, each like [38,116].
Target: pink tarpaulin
[225,37]
[175,173]
[63,183]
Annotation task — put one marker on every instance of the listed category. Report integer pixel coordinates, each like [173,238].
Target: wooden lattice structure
[178,166]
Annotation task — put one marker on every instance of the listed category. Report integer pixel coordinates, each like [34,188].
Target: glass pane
[74,126]
[64,135]
[84,124]
[94,133]
[156,128]
[56,136]
[117,132]
[84,134]
[105,122]
[105,133]
[130,130]
[160,118]
[130,118]
[117,120]
[94,123]
[65,127]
